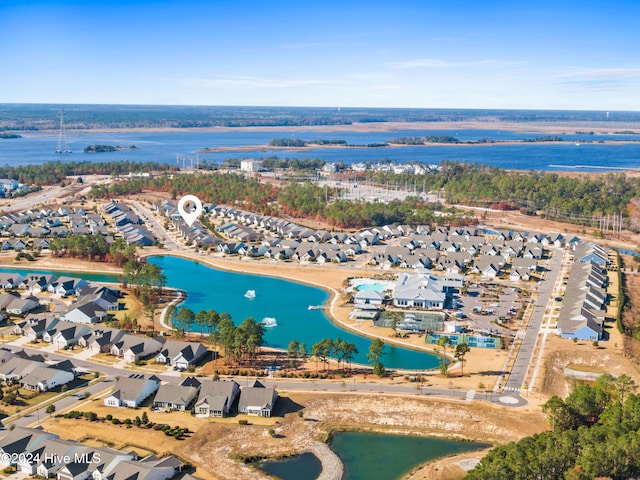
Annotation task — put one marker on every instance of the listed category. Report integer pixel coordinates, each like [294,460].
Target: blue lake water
[287,302]
[38,148]
[305,466]
[375,456]
[93,277]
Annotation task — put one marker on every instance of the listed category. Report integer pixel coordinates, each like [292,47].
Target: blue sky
[423,53]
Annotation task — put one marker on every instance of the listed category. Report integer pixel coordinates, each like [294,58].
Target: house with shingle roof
[46,378]
[174,397]
[181,354]
[132,391]
[257,400]
[216,397]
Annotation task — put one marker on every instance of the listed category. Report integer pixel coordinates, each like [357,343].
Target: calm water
[373,456]
[286,302]
[305,466]
[38,148]
[93,277]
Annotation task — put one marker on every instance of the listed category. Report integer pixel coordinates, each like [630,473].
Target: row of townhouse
[585,301]
[208,398]
[52,222]
[129,224]
[131,348]
[251,227]
[32,372]
[36,452]
[485,259]
[195,233]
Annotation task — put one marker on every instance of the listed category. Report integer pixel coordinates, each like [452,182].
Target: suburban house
[49,457]
[257,400]
[67,335]
[174,397]
[17,367]
[101,339]
[18,441]
[35,452]
[181,355]
[65,286]
[89,312]
[216,397]
[20,306]
[35,327]
[132,391]
[133,348]
[46,378]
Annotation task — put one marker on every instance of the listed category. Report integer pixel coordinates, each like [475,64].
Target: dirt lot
[215,445]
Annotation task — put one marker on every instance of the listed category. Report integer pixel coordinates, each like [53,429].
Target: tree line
[240,343]
[51,173]
[93,248]
[595,433]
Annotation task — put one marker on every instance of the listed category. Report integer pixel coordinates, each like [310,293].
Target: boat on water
[316,307]
[250,294]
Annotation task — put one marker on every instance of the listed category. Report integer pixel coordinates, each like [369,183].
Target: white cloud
[253,82]
[439,63]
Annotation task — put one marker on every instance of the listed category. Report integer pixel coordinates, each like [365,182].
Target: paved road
[524,357]
[155,226]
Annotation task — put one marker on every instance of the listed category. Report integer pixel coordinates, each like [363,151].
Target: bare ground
[218,448]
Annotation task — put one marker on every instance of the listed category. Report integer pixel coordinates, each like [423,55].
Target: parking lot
[489,308]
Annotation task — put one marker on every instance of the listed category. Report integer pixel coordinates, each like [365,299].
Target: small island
[107,148]
[9,135]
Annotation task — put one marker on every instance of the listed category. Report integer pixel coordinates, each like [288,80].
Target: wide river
[578,151]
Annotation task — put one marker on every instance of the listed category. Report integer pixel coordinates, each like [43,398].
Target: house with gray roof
[17,367]
[216,397]
[20,440]
[419,290]
[181,354]
[174,397]
[20,306]
[133,348]
[257,400]
[132,391]
[46,378]
[583,308]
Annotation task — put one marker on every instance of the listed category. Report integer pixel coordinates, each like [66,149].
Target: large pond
[375,456]
[305,466]
[371,456]
[283,303]
[280,303]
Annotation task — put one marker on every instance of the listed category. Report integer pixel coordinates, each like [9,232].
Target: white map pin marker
[191,216]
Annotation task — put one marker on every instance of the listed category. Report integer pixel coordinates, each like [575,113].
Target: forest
[562,197]
[55,172]
[301,200]
[595,433]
